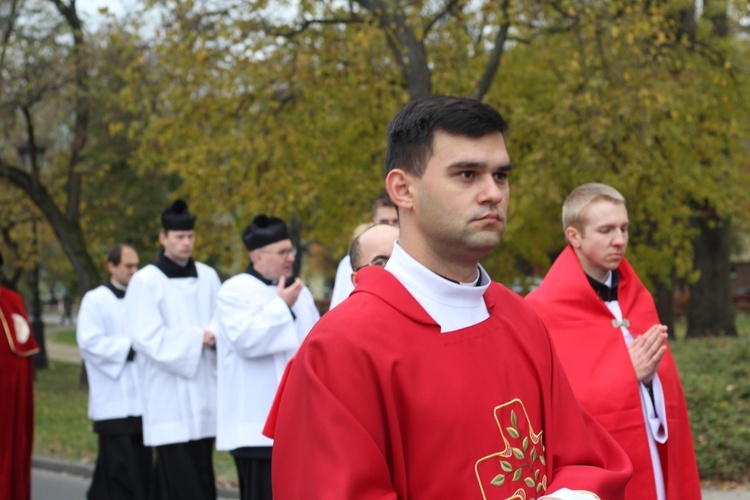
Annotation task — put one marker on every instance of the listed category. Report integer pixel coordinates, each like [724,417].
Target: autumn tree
[58,93]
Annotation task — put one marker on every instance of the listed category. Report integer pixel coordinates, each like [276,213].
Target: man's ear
[354,279]
[398,184]
[573,236]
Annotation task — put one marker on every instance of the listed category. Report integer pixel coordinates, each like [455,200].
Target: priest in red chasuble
[17,345]
[431,380]
[606,331]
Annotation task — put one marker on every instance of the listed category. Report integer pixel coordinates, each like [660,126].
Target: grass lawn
[67,337]
[715,375]
[63,430]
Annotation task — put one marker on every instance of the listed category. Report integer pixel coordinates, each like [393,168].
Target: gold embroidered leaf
[499,480]
[513,432]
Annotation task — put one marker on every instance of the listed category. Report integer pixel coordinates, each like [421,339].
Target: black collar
[118,293]
[173,270]
[604,292]
[252,272]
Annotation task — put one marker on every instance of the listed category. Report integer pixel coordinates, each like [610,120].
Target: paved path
[54,479]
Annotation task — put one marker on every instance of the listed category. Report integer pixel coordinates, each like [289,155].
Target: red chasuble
[380,405]
[16,393]
[598,365]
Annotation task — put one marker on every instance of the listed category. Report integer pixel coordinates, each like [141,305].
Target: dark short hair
[115,253]
[412,130]
[383,200]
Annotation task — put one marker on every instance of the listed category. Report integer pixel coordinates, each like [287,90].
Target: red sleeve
[315,426]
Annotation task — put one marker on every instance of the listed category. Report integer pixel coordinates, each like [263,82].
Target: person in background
[262,321]
[124,465]
[383,212]
[17,345]
[170,305]
[372,248]
[606,330]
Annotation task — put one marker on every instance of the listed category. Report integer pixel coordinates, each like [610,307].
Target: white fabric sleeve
[107,353]
[176,349]
[342,285]
[656,410]
[255,328]
[566,494]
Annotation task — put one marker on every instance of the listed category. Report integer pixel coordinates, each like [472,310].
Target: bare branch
[448,7]
[306,23]
[496,56]
[74,188]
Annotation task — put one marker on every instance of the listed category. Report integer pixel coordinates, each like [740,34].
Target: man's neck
[177,261]
[459,271]
[117,284]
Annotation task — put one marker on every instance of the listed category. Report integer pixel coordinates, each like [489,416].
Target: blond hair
[575,208]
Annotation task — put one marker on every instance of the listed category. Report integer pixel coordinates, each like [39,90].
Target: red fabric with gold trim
[16,398]
[598,365]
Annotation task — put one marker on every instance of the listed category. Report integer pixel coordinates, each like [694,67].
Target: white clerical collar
[118,286]
[608,281]
[452,305]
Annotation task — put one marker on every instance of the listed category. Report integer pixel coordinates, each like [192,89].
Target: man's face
[274,261]
[460,203]
[601,243]
[178,245]
[385,215]
[375,248]
[122,272]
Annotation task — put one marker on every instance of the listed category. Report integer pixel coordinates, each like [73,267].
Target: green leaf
[506,466]
[513,418]
[529,482]
[525,443]
[513,432]
[499,480]
[517,453]
[517,474]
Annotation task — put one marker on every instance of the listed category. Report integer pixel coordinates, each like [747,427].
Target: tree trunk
[664,298]
[68,233]
[710,310]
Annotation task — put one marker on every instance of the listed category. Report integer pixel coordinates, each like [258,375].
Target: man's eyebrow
[462,164]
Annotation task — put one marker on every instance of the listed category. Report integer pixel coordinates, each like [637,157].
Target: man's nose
[490,191]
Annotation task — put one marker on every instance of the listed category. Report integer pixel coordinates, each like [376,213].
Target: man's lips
[492,216]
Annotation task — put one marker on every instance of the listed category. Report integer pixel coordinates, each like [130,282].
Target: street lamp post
[30,156]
